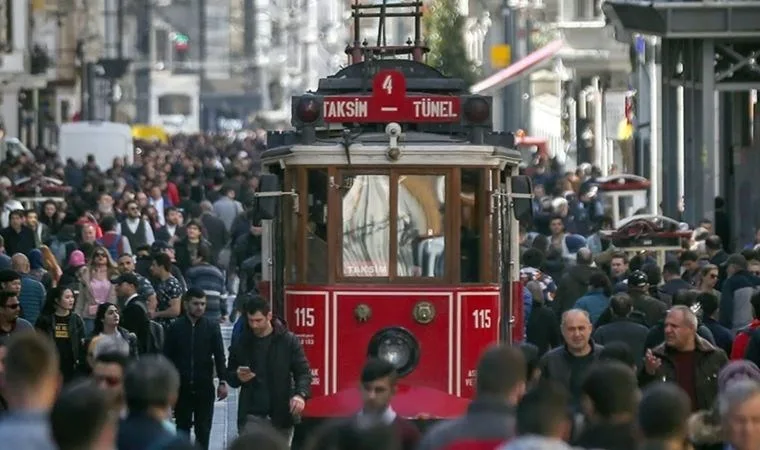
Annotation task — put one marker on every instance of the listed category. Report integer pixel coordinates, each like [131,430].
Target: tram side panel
[452,326]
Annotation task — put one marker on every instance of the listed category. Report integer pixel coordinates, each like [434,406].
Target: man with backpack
[134,315]
[116,244]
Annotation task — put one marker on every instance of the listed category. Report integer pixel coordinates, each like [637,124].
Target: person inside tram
[316,248]
[469,246]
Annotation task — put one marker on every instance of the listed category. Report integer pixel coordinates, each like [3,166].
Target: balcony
[590,48]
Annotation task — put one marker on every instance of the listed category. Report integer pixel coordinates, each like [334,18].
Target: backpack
[155,336]
[114,247]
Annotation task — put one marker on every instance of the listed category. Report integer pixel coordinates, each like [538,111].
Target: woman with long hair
[95,285]
[50,263]
[65,327]
[107,325]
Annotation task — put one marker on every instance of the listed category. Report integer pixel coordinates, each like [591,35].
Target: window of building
[175,104]
[162,45]
[6,26]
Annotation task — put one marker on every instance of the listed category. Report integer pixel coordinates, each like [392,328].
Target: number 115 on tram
[392,232]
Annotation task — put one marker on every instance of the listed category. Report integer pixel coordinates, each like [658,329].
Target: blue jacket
[32,297]
[594,303]
[211,280]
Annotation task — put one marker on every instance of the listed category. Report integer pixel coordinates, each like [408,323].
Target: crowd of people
[116,293]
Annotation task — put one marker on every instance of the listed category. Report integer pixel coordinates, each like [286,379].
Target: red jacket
[742,339]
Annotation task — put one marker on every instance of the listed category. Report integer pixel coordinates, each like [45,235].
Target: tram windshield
[393,224]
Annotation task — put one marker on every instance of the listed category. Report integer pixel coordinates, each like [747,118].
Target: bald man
[32,295]
[568,363]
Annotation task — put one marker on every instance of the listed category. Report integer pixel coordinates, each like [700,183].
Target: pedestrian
[268,363]
[107,324]
[83,417]
[151,386]
[10,322]
[610,399]
[210,279]
[31,292]
[109,370]
[30,386]
[378,386]
[135,317]
[686,359]
[542,419]
[567,364]
[736,294]
[625,326]
[66,328]
[95,285]
[194,344]
[168,290]
[597,299]
[709,303]
[126,264]
[663,416]
[490,418]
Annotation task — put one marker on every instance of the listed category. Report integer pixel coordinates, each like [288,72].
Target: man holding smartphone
[269,365]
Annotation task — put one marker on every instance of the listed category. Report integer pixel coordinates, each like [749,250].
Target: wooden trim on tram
[454,222]
[303,213]
[484,216]
[334,217]
[393,225]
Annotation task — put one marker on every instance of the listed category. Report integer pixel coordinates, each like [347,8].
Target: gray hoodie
[535,442]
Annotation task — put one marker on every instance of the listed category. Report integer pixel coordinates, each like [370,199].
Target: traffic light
[181,44]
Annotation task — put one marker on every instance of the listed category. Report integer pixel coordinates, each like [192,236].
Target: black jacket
[134,318]
[287,372]
[626,330]
[195,349]
[542,329]
[608,436]
[77,334]
[709,361]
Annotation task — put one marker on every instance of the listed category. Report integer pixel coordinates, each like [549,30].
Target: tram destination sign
[389,103]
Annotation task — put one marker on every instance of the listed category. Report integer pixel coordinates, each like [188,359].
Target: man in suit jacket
[134,311]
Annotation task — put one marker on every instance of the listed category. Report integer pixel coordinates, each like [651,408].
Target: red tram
[392,230]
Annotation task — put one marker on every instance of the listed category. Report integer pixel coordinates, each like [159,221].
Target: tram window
[366,225]
[316,227]
[421,240]
[470,215]
[175,104]
[290,230]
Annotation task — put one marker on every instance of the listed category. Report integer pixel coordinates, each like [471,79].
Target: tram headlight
[307,109]
[477,110]
[398,347]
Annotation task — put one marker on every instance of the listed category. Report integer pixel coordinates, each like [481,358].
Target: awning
[516,70]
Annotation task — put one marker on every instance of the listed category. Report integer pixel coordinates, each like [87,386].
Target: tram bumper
[410,402]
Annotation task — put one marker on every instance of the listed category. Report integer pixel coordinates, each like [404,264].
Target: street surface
[224,429]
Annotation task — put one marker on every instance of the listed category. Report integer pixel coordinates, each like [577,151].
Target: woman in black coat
[66,328]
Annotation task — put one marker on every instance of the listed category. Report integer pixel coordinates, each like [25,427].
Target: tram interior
[364,206]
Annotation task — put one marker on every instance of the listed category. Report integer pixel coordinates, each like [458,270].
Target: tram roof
[371,149]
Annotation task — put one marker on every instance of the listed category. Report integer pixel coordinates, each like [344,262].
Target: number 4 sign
[389,90]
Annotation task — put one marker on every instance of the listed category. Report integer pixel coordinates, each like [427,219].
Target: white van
[105,140]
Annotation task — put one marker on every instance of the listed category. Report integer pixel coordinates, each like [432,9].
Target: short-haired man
[84,418]
[378,385]
[736,294]
[664,431]
[567,365]
[168,290]
[194,344]
[490,417]
[32,381]
[609,401]
[691,361]
[268,363]
[10,309]
[542,418]
[108,372]
[739,408]
[151,386]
